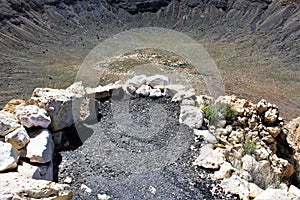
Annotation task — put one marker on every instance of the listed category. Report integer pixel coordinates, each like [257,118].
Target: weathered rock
[249,163]
[192,116]
[236,185]
[7,125]
[103,92]
[262,154]
[33,116]
[155,93]
[274,194]
[63,106]
[271,116]
[157,80]
[18,138]
[15,186]
[254,190]
[204,100]
[8,115]
[77,88]
[184,94]
[212,159]
[294,192]
[40,172]
[171,90]
[262,106]
[137,81]
[282,167]
[41,146]
[9,156]
[103,197]
[274,131]
[143,91]
[89,110]
[85,188]
[188,102]
[225,171]
[209,137]
[12,104]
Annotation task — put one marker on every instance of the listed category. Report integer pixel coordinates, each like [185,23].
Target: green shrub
[249,147]
[218,112]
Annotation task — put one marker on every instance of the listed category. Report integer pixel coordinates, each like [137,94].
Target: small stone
[171,90]
[262,106]
[206,135]
[85,188]
[180,95]
[236,185]
[225,171]
[155,93]
[152,189]
[192,116]
[274,131]
[39,172]
[157,80]
[9,156]
[211,159]
[294,192]
[137,81]
[68,180]
[271,116]
[103,197]
[249,163]
[274,194]
[12,104]
[18,138]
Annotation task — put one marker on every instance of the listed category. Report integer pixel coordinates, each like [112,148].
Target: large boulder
[33,116]
[63,106]
[7,125]
[9,157]
[41,146]
[38,172]
[16,186]
[18,138]
[157,80]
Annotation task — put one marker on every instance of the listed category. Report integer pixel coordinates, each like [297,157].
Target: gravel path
[138,151]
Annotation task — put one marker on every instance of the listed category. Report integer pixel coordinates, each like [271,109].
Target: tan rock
[39,172]
[12,104]
[15,186]
[7,125]
[254,190]
[211,159]
[33,116]
[18,138]
[225,171]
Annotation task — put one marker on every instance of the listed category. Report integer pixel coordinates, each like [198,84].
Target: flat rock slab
[139,150]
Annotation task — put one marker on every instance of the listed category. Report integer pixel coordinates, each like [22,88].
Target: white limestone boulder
[157,80]
[210,159]
[143,90]
[18,138]
[39,172]
[192,116]
[63,106]
[7,125]
[33,116]
[41,146]
[9,157]
[155,93]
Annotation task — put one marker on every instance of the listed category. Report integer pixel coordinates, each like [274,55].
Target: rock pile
[243,143]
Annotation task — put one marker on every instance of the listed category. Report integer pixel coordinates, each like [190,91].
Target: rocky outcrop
[33,116]
[9,157]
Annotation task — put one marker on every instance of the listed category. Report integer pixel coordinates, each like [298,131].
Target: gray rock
[41,146]
[7,125]
[155,93]
[171,90]
[103,92]
[63,106]
[18,138]
[225,171]
[33,116]
[40,172]
[249,163]
[9,157]
[271,116]
[208,136]
[182,94]
[192,116]
[210,159]
[77,88]
[273,194]
[236,185]
[157,80]
[137,81]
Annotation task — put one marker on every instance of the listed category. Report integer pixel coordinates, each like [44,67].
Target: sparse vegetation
[249,147]
[219,112]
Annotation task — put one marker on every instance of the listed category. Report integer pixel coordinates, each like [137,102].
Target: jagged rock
[282,167]
[262,106]
[274,194]
[77,88]
[63,106]
[225,171]
[210,159]
[192,116]
[188,102]
[143,91]
[40,172]
[254,190]
[184,94]
[262,154]
[103,197]
[8,115]
[7,125]
[18,138]
[204,100]
[85,188]
[248,163]
[41,147]
[12,104]
[137,81]
[32,115]
[224,99]
[236,137]
[9,156]
[274,131]
[294,192]
[271,116]
[89,110]
[155,93]
[209,137]
[236,185]
[15,186]
[103,92]
[157,80]
[171,90]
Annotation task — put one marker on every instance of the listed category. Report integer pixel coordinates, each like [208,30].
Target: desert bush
[249,147]
[219,112]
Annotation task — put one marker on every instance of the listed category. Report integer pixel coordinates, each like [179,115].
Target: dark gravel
[137,146]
